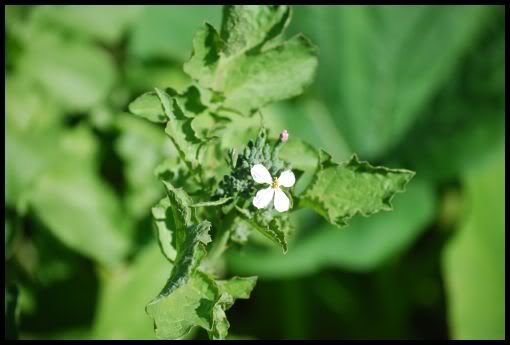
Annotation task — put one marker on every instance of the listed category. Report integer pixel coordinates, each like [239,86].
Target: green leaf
[100,233]
[149,107]
[372,57]
[246,27]
[106,23]
[190,298]
[190,241]
[253,81]
[141,145]
[474,259]
[206,54]
[124,294]
[231,290]
[466,119]
[175,310]
[78,74]
[276,228]
[340,191]
[367,244]
[247,75]
[180,131]
[190,304]
[165,225]
[238,287]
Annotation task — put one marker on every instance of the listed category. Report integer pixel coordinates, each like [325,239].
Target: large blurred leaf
[82,213]
[142,146]
[78,73]
[105,23]
[30,119]
[465,123]
[167,31]
[75,204]
[474,260]
[362,246]
[381,64]
[126,292]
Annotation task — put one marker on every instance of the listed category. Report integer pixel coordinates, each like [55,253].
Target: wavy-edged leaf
[243,73]
[246,27]
[252,81]
[164,221]
[276,228]
[366,245]
[231,290]
[180,131]
[341,190]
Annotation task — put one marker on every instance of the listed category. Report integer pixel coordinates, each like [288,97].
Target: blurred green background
[415,87]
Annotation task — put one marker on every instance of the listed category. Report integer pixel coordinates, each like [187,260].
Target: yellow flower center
[275,183]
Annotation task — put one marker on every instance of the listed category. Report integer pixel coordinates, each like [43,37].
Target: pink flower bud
[284,135]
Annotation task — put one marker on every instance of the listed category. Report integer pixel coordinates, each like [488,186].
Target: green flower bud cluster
[239,182]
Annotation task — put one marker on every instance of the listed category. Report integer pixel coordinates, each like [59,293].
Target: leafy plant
[214,197]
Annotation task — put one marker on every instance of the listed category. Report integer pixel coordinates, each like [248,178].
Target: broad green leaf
[202,302]
[474,259]
[248,80]
[77,73]
[364,246]
[90,222]
[141,145]
[253,81]
[247,26]
[167,31]
[149,107]
[466,119]
[11,312]
[124,294]
[106,23]
[205,57]
[340,191]
[190,304]
[372,71]
[102,232]
[26,158]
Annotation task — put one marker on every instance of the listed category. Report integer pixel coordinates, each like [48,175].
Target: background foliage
[418,87]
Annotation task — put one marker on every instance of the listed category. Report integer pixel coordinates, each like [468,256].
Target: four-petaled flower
[264,196]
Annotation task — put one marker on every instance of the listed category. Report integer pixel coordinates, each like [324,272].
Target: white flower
[264,196]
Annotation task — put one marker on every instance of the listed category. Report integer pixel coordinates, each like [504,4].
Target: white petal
[281,201]
[287,179]
[263,197]
[260,174]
